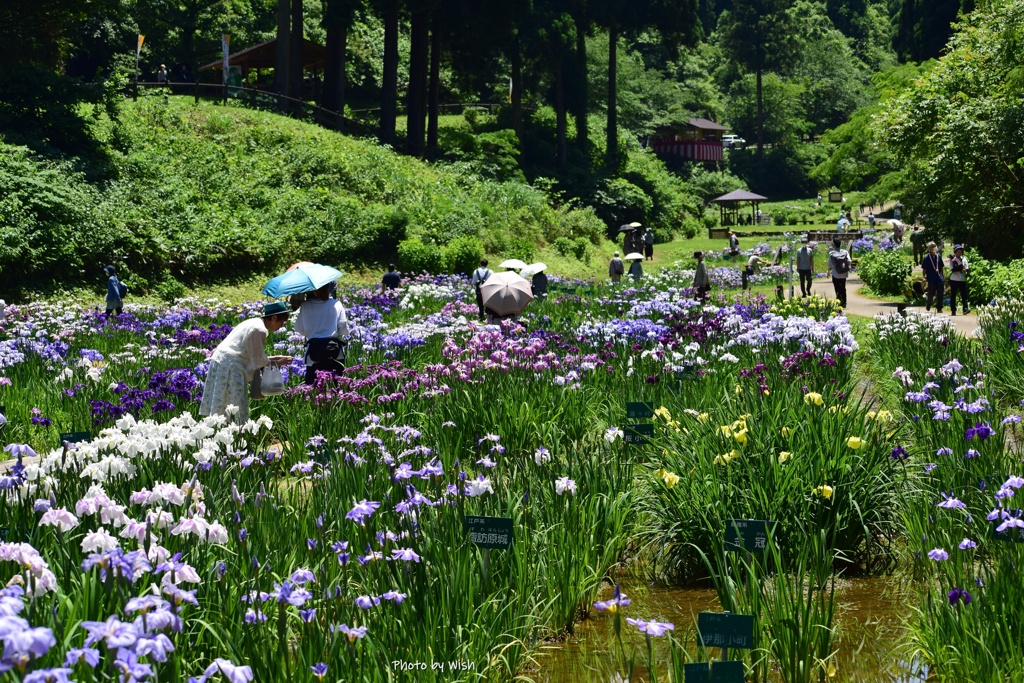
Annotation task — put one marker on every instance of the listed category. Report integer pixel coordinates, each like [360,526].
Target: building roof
[739,196]
[263,56]
[706,125]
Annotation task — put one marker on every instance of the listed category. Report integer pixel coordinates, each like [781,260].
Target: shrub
[462,254]
[885,272]
[415,256]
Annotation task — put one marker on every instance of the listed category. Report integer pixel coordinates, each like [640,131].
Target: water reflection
[870,630]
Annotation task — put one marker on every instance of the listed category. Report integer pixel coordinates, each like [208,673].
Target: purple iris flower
[959,594]
[982,430]
[367,601]
[59,675]
[362,510]
[113,631]
[319,670]
[405,554]
[88,655]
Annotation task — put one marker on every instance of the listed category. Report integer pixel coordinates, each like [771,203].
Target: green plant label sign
[1011,534]
[726,630]
[490,532]
[637,434]
[748,534]
[75,437]
[639,410]
[719,672]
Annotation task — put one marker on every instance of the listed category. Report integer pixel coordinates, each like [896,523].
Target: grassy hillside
[184,192]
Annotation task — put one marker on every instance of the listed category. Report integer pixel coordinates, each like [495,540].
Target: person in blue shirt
[114,302]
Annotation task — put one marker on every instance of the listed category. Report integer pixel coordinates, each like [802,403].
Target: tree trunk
[760,119]
[389,75]
[580,87]
[334,68]
[419,57]
[560,113]
[434,96]
[282,56]
[516,96]
[295,52]
[612,132]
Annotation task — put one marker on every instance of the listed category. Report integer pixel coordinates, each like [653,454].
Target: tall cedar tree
[675,20]
[338,17]
[923,27]
[760,36]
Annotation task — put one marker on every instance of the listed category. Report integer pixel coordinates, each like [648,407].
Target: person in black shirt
[391,279]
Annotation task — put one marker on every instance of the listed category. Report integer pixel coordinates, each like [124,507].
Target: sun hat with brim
[274,308]
[958,247]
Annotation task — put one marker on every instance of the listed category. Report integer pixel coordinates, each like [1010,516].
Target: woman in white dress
[235,361]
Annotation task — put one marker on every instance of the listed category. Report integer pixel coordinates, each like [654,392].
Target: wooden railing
[259,99]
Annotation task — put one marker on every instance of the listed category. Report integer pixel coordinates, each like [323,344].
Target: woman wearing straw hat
[235,361]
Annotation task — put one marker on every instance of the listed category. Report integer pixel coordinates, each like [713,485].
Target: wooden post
[197,92]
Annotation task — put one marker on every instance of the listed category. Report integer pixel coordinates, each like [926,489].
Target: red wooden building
[700,140]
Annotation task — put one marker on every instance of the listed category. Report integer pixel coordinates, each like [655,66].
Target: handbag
[324,349]
[271,381]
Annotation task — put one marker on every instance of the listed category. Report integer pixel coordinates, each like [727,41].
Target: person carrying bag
[321,320]
[480,276]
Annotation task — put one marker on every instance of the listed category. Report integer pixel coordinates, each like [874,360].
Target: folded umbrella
[301,278]
[506,293]
[512,263]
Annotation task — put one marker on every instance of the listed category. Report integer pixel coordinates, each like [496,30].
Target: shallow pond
[870,614]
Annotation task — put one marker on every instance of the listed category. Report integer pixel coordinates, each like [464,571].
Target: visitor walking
[321,320]
[480,276]
[636,271]
[391,280]
[805,266]
[649,244]
[701,282]
[734,245]
[115,291]
[539,285]
[932,266]
[237,359]
[615,268]
[839,264]
[161,75]
[958,280]
[917,242]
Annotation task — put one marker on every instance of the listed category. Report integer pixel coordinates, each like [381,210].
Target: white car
[733,141]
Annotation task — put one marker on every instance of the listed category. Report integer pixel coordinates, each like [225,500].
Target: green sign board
[1011,534]
[490,532]
[75,437]
[637,434]
[639,410]
[747,534]
[726,630]
[719,672]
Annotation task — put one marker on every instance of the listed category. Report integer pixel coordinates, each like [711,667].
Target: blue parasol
[302,278]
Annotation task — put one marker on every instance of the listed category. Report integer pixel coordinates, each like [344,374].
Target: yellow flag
[138,48]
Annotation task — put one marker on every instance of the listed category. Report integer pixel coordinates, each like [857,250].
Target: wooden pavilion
[731,204]
[699,140]
[263,57]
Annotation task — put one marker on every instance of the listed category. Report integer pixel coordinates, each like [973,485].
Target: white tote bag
[272,382]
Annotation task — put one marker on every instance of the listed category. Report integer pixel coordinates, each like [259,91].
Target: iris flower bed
[325,538]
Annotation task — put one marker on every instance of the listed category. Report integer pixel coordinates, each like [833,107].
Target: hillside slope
[195,192]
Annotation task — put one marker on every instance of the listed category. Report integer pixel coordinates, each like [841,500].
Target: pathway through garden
[858,304]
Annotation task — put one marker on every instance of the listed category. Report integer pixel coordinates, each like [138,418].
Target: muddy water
[869,620]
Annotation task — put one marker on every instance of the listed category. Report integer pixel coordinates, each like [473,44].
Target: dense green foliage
[192,192]
[885,272]
[959,136]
